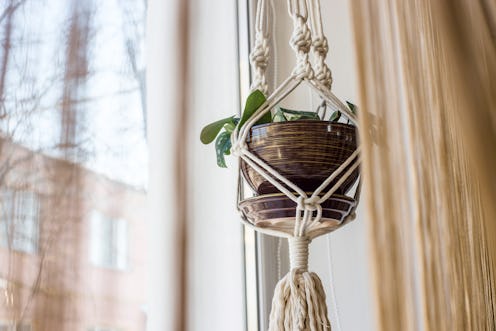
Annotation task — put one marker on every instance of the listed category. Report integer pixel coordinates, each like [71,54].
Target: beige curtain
[428,97]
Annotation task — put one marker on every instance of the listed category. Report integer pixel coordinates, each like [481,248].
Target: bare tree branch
[11,8]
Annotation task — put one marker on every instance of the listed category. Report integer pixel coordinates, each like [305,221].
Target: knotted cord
[320,46]
[299,298]
[259,56]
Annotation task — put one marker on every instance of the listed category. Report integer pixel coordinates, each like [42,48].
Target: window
[19,220]
[108,241]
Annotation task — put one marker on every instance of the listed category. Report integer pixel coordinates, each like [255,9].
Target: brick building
[72,248]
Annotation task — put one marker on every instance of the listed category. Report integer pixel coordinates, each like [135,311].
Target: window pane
[121,243]
[19,220]
[73,162]
[108,241]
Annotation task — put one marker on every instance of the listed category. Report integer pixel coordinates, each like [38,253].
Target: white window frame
[108,242]
[18,209]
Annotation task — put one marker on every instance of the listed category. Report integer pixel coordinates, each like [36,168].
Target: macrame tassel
[299,298]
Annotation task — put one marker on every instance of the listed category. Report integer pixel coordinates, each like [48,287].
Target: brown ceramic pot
[305,152]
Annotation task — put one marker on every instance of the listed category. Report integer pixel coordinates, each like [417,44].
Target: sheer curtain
[427,75]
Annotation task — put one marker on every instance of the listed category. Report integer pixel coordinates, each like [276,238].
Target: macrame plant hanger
[299,298]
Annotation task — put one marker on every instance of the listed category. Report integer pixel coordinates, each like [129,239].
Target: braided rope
[320,46]
[301,39]
[259,59]
[322,71]
[259,56]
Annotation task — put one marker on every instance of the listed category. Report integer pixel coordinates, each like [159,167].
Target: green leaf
[223,147]
[267,118]
[352,107]
[335,116]
[253,102]
[279,116]
[229,127]
[211,131]
[300,115]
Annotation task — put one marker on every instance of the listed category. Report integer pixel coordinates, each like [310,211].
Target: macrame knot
[323,74]
[237,148]
[298,253]
[301,39]
[303,69]
[301,42]
[321,47]
[311,203]
[259,59]
[259,56]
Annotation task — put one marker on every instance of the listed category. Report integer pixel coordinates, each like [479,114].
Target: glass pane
[73,164]
[19,228]
[121,243]
[108,241]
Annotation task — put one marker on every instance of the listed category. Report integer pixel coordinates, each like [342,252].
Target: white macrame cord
[299,298]
[259,57]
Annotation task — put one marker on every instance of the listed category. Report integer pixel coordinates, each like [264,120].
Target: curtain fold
[427,78]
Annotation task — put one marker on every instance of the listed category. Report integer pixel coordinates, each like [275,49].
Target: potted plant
[305,147]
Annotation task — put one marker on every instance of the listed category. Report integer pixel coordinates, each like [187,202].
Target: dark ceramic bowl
[305,152]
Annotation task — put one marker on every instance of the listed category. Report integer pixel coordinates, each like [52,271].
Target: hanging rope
[319,44]
[259,57]
[299,298]
[298,253]
[301,39]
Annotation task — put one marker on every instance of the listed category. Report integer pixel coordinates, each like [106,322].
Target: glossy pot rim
[311,128]
[305,123]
